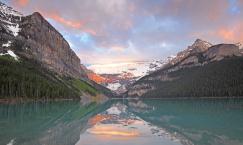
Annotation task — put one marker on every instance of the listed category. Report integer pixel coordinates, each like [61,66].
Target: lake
[123,122]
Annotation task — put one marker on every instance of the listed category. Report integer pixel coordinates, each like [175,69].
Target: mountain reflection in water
[123,122]
[117,125]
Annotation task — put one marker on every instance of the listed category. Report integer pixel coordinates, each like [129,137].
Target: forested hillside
[217,79]
[28,79]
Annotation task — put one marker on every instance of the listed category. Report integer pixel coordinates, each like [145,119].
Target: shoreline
[26,100]
[177,98]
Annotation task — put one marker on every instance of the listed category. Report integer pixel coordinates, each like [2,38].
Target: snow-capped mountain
[136,68]
[119,76]
[10,19]
[9,23]
[31,45]
[35,38]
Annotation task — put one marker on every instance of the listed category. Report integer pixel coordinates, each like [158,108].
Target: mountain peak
[198,40]
[198,46]
[37,14]
[201,43]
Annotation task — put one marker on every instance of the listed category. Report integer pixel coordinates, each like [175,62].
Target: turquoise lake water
[123,122]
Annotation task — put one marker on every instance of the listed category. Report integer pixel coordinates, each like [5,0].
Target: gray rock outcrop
[35,38]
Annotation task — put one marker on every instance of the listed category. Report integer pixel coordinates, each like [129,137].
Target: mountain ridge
[38,39]
[37,62]
[119,76]
[173,75]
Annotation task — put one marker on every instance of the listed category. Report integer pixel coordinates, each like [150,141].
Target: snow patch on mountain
[113,86]
[10,19]
[120,75]
[137,68]
[14,29]
[8,44]
[9,11]
[11,53]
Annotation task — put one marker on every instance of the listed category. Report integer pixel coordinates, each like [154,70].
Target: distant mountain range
[202,70]
[37,62]
[150,78]
[119,76]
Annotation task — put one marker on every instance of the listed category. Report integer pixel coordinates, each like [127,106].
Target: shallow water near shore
[121,122]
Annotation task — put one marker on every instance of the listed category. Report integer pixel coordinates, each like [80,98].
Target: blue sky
[106,31]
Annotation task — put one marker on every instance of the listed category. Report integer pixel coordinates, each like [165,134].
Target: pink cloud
[70,23]
[75,24]
[22,3]
[231,34]
[226,34]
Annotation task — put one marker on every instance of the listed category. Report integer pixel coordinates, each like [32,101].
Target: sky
[110,31]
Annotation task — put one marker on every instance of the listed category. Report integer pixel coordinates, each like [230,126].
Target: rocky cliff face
[219,52]
[201,53]
[35,38]
[198,46]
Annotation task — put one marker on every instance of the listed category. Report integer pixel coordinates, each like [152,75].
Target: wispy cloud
[69,23]
[155,28]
